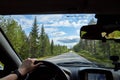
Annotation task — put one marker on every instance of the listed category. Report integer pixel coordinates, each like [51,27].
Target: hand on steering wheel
[50,70]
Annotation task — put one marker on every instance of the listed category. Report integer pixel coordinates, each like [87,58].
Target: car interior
[106,11]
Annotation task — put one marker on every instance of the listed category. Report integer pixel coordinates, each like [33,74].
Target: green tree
[24,50]
[33,39]
[77,47]
[52,47]
[44,43]
[15,34]
[4,22]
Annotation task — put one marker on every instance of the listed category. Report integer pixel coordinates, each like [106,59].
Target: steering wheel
[47,71]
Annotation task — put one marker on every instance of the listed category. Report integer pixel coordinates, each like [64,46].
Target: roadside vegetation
[96,50]
[100,61]
[37,44]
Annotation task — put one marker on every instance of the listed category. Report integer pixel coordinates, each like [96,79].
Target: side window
[1,66]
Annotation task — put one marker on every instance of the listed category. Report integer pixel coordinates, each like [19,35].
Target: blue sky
[61,28]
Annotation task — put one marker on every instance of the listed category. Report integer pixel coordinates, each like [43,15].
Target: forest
[97,50]
[34,45]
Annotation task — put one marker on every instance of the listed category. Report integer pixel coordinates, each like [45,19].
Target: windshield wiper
[80,64]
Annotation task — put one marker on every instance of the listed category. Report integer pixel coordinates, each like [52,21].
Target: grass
[45,57]
[106,62]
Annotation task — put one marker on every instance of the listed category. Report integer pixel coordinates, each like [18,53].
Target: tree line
[35,44]
[97,48]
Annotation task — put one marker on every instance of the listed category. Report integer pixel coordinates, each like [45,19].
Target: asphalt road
[68,57]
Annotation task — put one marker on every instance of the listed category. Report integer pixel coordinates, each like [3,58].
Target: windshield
[56,37]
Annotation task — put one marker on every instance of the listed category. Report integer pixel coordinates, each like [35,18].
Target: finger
[32,58]
[39,63]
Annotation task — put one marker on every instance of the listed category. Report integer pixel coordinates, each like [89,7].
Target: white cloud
[66,40]
[23,21]
[56,34]
[67,23]
[69,39]
[64,23]
[51,24]
[51,30]
[53,20]
[49,18]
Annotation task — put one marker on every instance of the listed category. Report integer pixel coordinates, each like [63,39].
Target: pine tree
[24,50]
[33,39]
[52,47]
[44,43]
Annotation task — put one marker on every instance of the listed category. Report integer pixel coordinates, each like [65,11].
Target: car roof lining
[59,6]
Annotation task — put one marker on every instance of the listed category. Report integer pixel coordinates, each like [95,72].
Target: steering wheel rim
[52,67]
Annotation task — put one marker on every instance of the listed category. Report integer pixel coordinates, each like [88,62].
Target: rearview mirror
[100,32]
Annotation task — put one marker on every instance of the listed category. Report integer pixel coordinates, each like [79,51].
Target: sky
[63,29]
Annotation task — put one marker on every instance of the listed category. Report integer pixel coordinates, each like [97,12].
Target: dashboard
[74,73]
[95,74]
[90,73]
